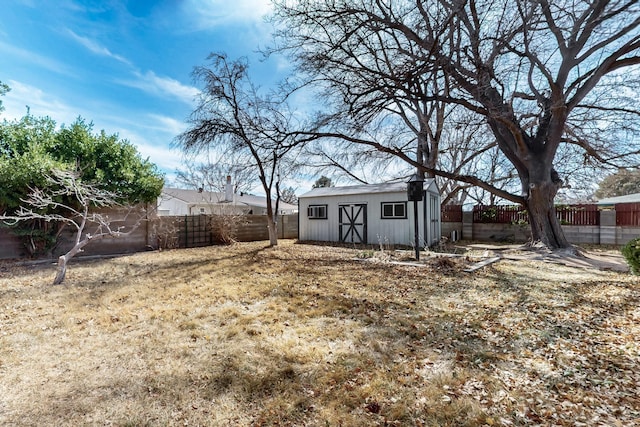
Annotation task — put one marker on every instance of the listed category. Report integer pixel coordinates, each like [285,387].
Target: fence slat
[451,213]
[197,230]
[499,214]
[627,214]
[579,214]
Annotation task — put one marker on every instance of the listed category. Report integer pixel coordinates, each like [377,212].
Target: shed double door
[352,221]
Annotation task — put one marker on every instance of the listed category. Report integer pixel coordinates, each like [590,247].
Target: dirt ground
[475,255]
[607,259]
[318,335]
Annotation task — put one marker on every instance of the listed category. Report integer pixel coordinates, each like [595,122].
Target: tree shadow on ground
[394,325]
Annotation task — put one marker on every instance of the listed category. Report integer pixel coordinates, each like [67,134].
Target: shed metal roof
[391,187]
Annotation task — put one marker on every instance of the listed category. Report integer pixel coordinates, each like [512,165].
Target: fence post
[467,225]
[281,220]
[608,227]
[186,231]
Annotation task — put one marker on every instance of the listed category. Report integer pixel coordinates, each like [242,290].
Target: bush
[225,226]
[631,252]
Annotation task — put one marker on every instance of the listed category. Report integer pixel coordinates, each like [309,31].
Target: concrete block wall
[10,245]
[606,234]
[448,227]
[582,234]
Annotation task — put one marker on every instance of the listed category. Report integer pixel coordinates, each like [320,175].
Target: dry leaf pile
[303,335]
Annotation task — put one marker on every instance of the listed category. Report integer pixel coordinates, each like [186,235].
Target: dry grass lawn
[304,335]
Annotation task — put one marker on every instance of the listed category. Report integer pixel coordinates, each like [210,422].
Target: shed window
[317,212]
[396,210]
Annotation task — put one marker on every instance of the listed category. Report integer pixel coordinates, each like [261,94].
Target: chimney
[228,190]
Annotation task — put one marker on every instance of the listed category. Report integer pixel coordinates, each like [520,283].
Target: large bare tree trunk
[532,158]
[545,227]
[273,231]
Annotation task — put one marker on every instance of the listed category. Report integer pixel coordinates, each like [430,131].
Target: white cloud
[163,86]
[166,158]
[166,124]
[212,13]
[34,58]
[40,104]
[96,48]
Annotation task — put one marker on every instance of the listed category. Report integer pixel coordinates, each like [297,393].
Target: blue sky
[125,65]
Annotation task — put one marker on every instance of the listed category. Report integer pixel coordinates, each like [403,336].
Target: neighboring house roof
[194,197]
[392,187]
[261,202]
[629,198]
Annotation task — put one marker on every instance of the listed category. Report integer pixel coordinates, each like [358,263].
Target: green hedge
[631,252]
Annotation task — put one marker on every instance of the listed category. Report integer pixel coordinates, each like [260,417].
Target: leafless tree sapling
[78,212]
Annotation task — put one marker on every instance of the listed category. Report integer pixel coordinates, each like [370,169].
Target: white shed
[373,214]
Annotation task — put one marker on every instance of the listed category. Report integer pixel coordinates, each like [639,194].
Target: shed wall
[387,230]
[379,230]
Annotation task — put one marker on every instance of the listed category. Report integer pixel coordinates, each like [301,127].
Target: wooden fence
[584,214]
[627,214]
[579,214]
[194,231]
[161,232]
[590,224]
[190,231]
[499,214]
[451,213]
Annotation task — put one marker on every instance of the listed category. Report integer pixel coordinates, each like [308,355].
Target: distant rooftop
[197,197]
[629,198]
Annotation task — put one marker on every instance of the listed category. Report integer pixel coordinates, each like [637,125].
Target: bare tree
[288,195]
[233,117]
[210,174]
[79,213]
[541,75]
[381,95]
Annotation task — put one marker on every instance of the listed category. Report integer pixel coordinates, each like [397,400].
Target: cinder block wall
[606,233]
[143,238]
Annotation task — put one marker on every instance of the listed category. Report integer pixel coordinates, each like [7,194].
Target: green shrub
[631,252]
